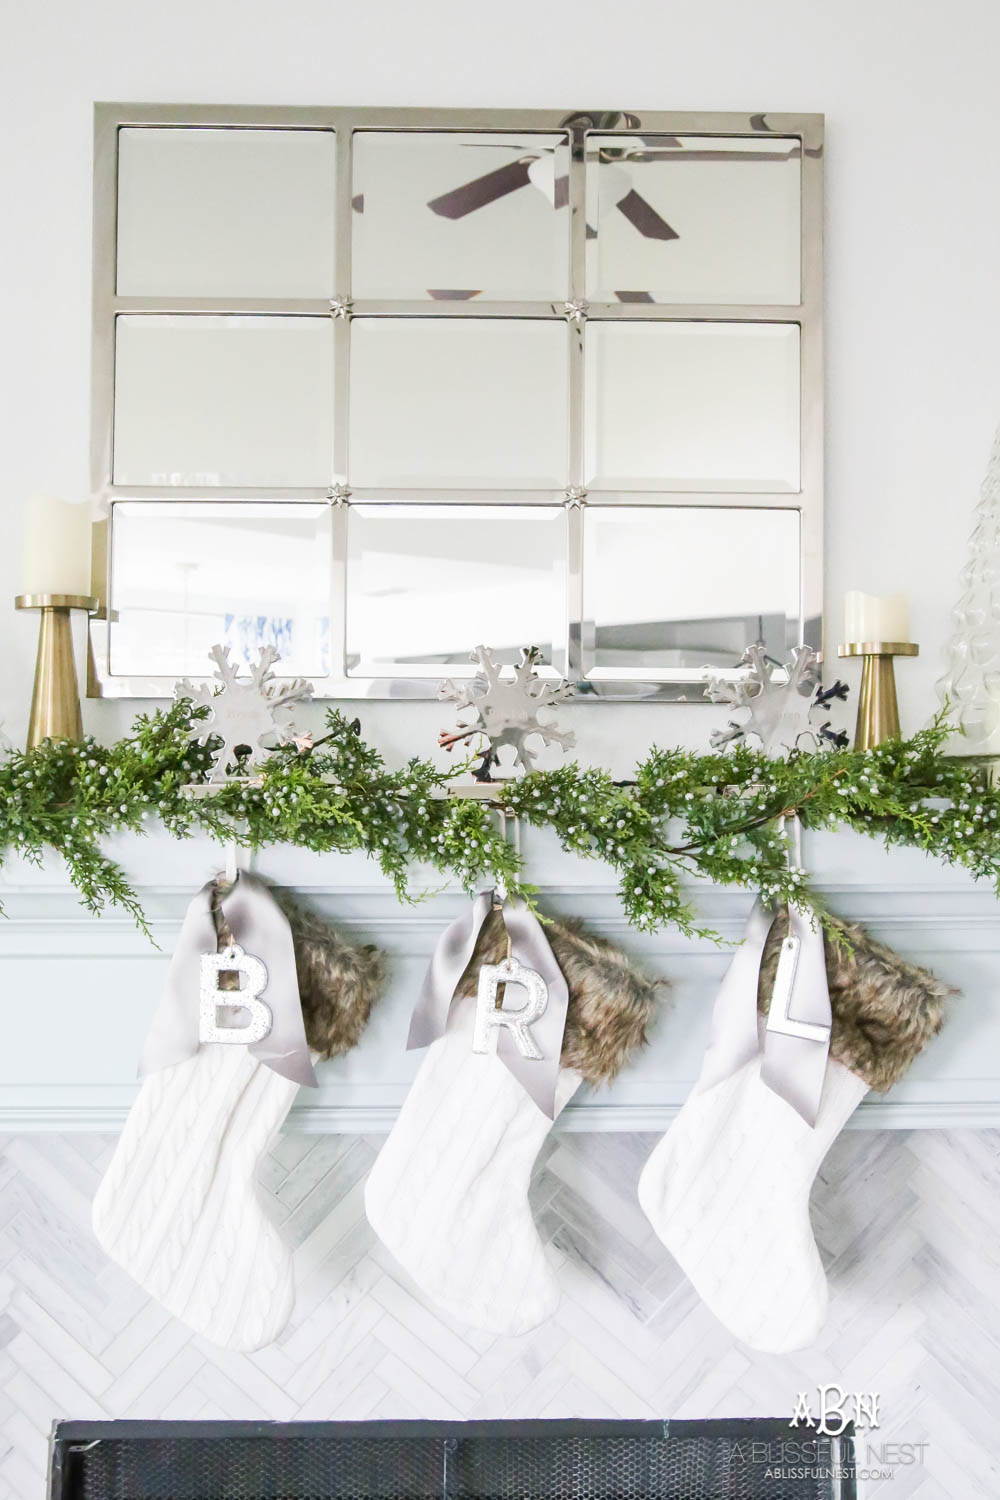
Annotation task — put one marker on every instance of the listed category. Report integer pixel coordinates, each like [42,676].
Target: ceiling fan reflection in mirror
[538,171]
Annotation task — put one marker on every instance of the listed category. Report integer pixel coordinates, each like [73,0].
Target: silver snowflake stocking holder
[247,714]
[505,709]
[781,713]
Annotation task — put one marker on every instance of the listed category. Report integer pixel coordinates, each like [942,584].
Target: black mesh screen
[455,1461]
[684,1465]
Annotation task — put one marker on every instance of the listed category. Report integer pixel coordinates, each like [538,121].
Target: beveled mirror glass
[246,213]
[223,401]
[478,403]
[510,377]
[692,406]
[425,580]
[694,219]
[244,575]
[661,596]
[457,215]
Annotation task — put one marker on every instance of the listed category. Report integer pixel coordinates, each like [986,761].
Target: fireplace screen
[561,1460]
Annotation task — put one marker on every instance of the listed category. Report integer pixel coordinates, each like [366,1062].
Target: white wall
[909,91]
[913,305]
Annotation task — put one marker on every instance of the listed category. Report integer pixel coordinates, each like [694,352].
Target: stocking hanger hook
[486,791]
[500,888]
[793,841]
[238,856]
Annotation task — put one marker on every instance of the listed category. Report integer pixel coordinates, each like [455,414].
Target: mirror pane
[427,582]
[693,219]
[456,215]
[692,406]
[230,213]
[188,575]
[448,401]
[223,401]
[672,589]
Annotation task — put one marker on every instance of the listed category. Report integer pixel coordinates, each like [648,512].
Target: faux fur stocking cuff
[885,1010]
[339,981]
[611,1000]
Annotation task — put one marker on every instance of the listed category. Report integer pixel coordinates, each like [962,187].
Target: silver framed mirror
[372,385]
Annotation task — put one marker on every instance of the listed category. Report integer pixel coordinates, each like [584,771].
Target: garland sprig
[715,817]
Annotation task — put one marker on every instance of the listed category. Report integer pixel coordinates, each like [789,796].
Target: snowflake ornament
[244,712]
[782,715]
[506,709]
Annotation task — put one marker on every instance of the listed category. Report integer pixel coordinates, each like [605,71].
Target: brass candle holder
[55,701]
[878,710]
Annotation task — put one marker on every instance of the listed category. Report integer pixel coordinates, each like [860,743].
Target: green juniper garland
[718,817]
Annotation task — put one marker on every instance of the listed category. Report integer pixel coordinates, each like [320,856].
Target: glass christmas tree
[971,683]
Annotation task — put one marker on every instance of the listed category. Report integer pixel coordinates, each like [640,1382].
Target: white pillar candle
[869,618]
[56,556]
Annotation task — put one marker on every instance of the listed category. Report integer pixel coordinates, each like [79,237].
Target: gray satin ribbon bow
[531,947]
[796,1040]
[260,927]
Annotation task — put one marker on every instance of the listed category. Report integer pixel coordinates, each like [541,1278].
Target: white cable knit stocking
[727,1191]
[178,1209]
[448,1194]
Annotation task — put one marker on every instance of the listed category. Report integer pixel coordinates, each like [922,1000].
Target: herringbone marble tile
[909,1226]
